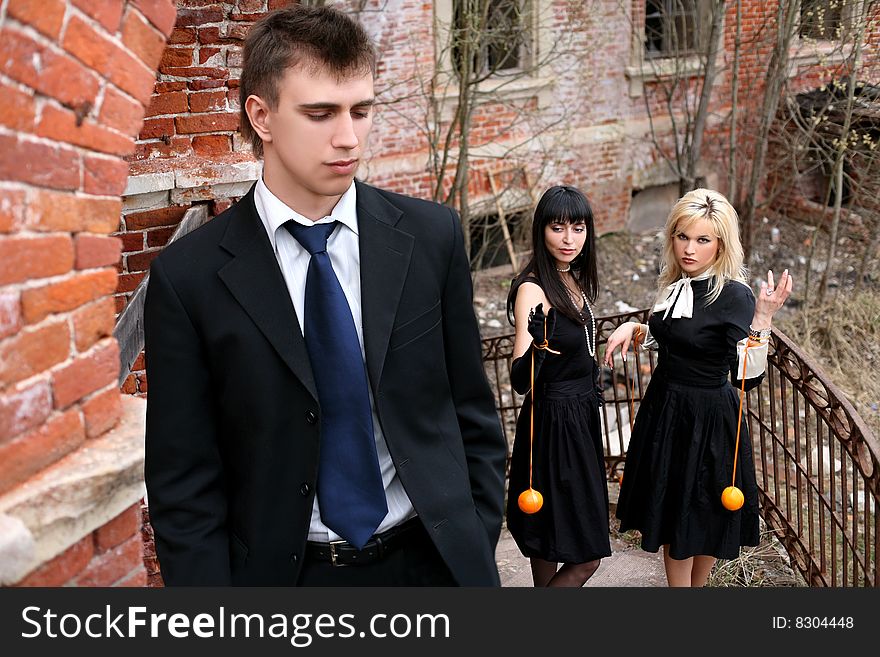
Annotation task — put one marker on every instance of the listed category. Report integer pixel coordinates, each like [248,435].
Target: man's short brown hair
[323,38]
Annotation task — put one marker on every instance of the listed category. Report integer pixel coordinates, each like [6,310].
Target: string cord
[632,384]
[532,417]
[545,346]
[742,396]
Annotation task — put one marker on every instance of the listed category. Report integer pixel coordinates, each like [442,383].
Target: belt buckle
[333,545]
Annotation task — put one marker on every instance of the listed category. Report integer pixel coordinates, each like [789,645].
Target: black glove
[536,323]
[521,368]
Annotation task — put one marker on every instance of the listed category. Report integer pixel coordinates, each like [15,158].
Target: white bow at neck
[680,297]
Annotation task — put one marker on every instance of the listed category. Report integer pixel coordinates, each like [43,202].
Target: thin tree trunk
[776,77]
[835,219]
[460,183]
[840,159]
[694,154]
[471,69]
[813,241]
[734,104]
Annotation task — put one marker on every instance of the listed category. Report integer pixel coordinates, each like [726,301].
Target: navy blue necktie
[350,489]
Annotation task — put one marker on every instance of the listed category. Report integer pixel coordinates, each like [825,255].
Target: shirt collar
[274,213]
[680,298]
[709,273]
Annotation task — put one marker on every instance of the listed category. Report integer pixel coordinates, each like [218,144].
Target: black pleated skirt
[680,459]
[568,470]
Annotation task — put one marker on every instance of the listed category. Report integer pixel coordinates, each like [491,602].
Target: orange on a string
[530,501]
[732,498]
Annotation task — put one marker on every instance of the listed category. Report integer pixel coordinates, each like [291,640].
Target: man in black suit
[253,421]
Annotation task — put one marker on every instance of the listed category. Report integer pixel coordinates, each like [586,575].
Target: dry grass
[632,538]
[844,337]
[766,564]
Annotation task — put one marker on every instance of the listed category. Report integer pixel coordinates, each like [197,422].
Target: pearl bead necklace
[591,345]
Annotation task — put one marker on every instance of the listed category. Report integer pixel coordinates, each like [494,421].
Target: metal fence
[816,460]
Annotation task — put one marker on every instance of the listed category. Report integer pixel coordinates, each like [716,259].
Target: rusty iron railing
[818,471]
[816,460]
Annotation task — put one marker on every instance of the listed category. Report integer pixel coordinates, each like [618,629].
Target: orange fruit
[732,498]
[530,501]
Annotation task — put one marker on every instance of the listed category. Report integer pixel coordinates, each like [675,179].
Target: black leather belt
[342,553]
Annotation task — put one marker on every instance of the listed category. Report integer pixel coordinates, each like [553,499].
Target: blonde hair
[716,209]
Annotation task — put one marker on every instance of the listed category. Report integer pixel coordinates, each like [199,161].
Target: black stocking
[574,574]
[542,571]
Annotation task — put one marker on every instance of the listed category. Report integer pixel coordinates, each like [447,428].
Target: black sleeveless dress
[568,464]
[680,456]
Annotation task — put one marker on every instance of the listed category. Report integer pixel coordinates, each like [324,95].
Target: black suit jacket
[232,438]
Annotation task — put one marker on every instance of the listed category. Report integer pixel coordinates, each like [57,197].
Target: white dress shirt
[293,259]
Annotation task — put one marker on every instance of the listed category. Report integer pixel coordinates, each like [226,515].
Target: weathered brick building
[119,116]
[76,77]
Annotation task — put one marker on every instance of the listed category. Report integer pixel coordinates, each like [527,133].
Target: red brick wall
[194,106]
[75,76]
[872,49]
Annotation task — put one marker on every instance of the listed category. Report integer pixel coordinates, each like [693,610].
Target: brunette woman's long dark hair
[561,204]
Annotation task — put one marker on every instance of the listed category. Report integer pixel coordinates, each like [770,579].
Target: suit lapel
[385,254]
[254,279]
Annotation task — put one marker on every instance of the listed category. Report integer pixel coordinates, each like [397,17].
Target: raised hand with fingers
[771,298]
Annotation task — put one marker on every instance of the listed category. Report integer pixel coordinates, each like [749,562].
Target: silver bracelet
[759,334]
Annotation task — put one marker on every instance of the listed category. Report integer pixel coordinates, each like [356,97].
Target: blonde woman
[680,456]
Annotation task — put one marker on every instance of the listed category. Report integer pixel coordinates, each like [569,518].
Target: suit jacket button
[293,558]
[305,489]
[311,417]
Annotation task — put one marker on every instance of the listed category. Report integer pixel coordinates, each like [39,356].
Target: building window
[495,34]
[488,246]
[672,27]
